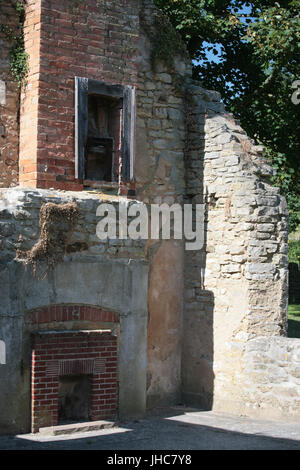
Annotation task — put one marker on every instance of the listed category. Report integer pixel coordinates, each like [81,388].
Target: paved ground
[177,429]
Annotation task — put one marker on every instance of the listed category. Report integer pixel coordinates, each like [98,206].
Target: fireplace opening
[74,399]
[103,147]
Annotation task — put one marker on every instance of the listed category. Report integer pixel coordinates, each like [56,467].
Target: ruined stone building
[106,115]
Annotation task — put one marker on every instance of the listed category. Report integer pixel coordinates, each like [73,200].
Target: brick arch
[69,312]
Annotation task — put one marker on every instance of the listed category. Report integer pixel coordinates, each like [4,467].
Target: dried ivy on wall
[167,42]
[57,222]
[166,45]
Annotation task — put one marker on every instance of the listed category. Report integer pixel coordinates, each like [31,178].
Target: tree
[249,51]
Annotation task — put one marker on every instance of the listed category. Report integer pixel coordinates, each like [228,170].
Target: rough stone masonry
[204,327]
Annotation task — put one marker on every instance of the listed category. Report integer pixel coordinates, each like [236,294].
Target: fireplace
[74,377]
[74,398]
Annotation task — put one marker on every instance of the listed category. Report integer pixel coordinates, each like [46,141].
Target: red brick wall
[96,39]
[29,97]
[94,353]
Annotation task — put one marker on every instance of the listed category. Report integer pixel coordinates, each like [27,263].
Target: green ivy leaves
[18,56]
[258,46]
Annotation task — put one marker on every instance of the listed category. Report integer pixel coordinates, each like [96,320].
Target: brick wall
[67,353]
[29,97]
[9,101]
[62,313]
[96,40]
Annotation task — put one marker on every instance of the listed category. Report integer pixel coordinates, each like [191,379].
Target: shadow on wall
[198,356]
[294,283]
[294,301]
[198,340]
[293,328]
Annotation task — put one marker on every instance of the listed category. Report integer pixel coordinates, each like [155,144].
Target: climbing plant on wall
[18,56]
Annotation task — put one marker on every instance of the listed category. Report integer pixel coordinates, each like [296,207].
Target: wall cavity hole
[74,395]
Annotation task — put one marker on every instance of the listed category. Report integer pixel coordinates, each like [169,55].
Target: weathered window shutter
[84,87]
[128,140]
[81,124]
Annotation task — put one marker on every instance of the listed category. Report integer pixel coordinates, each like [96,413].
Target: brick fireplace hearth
[63,354]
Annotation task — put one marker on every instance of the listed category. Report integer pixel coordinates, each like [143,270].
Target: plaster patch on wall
[2,93]
[2,353]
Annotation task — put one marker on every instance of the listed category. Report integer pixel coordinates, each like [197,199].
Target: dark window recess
[99,158]
[105,126]
[103,148]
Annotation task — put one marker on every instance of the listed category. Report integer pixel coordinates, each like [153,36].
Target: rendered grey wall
[117,284]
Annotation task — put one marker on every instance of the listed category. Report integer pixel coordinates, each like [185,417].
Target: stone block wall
[272,377]
[19,224]
[236,287]
[9,98]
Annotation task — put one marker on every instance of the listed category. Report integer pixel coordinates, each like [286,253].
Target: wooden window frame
[85,87]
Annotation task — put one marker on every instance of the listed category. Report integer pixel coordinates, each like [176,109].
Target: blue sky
[211,56]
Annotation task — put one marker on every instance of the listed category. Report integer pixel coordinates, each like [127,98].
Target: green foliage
[167,42]
[18,57]
[294,252]
[20,8]
[258,62]
[19,61]
[294,311]
[294,321]
[287,179]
